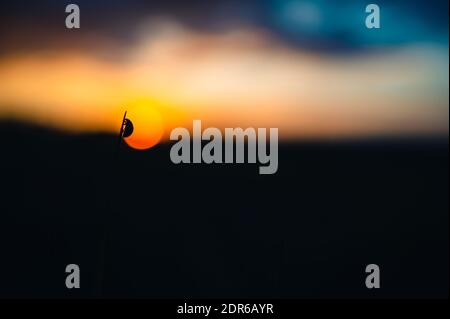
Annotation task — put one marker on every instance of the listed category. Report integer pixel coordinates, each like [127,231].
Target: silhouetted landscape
[221,230]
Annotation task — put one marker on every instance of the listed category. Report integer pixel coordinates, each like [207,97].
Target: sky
[310,68]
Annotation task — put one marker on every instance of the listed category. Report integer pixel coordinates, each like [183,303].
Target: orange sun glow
[148,127]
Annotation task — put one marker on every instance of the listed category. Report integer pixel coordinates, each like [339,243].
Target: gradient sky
[310,68]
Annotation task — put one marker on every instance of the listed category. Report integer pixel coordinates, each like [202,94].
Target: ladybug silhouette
[126,129]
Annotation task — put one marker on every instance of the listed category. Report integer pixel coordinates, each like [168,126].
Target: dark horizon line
[438,139]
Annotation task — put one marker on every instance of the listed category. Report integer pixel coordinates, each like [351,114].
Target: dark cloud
[331,26]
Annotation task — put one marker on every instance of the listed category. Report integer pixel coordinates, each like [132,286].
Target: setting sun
[148,127]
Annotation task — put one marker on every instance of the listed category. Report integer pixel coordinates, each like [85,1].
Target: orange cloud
[235,79]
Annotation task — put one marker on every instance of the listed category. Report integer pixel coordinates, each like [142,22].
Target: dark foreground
[140,226]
